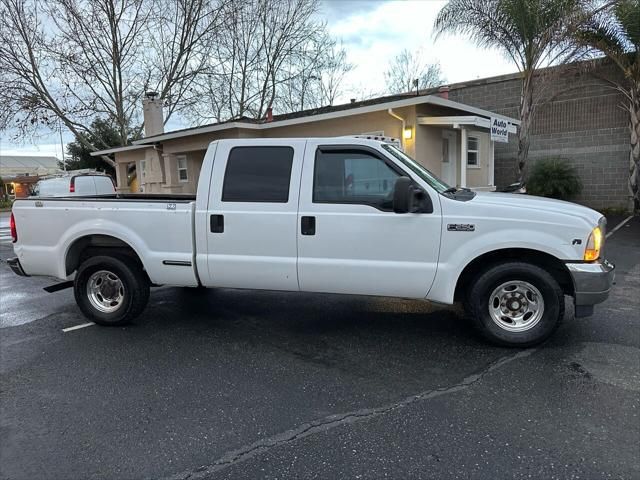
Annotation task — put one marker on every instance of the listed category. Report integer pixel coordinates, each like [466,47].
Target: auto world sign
[499,130]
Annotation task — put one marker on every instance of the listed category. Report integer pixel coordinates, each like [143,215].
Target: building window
[143,170]
[353,177]
[258,174]
[473,144]
[183,173]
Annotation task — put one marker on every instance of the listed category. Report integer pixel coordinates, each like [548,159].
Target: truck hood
[502,202]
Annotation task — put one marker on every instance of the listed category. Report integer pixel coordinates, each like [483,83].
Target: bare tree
[313,78]
[406,68]
[78,60]
[270,50]
[335,70]
[181,40]
[75,61]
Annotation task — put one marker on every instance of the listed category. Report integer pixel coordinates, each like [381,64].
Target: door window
[258,174]
[445,150]
[353,176]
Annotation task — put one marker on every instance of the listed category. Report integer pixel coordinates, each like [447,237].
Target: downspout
[404,124]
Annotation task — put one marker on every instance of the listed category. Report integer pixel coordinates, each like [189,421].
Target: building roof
[314,115]
[23,178]
[28,162]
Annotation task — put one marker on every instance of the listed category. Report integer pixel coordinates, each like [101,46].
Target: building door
[349,238]
[448,169]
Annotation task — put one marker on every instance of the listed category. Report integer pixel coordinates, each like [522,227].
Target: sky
[372,33]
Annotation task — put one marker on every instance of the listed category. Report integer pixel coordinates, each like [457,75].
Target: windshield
[416,168]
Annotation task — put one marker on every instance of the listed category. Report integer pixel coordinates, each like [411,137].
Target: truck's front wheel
[516,304]
[111,290]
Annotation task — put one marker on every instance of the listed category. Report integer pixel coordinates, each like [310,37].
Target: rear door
[103,185]
[349,238]
[84,185]
[252,214]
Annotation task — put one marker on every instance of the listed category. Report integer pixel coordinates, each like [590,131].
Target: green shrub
[5,204]
[553,177]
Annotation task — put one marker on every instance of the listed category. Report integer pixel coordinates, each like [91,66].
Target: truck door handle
[308,225]
[216,222]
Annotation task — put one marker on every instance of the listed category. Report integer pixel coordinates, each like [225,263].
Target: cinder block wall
[580,119]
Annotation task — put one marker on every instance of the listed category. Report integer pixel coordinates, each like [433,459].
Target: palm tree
[616,33]
[532,33]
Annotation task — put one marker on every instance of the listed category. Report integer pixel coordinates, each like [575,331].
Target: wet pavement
[244,384]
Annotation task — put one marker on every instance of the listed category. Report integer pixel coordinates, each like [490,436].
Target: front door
[448,169]
[349,238]
[252,215]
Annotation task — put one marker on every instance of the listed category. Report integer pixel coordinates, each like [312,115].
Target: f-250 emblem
[461,227]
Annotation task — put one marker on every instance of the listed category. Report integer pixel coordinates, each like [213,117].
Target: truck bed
[159,228]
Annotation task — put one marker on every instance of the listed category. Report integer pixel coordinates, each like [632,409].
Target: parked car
[336,215]
[74,184]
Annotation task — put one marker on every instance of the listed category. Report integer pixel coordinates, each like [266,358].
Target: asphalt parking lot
[245,384]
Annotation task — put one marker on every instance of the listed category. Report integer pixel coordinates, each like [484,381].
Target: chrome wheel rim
[516,306]
[105,291]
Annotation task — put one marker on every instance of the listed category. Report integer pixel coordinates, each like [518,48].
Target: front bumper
[14,264]
[592,283]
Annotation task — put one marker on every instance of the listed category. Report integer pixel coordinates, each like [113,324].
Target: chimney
[152,112]
[353,100]
[269,114]
[444,92]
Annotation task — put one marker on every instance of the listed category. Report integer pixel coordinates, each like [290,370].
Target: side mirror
[407,198]
[403,195]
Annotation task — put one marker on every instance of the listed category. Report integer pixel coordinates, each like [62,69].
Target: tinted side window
[352,176]
[258,174]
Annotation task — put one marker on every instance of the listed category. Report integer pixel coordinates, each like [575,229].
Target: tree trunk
[526,114]
[634,154]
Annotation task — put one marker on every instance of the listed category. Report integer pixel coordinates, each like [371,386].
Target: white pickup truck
[337,215]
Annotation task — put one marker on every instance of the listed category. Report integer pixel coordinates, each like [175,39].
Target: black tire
[134,290]
[479,298]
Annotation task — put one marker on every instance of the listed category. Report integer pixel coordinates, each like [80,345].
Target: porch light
[407,133]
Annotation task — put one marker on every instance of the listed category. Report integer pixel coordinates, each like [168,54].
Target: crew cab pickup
[336,215]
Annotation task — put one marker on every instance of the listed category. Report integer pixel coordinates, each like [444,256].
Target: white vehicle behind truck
[335,215]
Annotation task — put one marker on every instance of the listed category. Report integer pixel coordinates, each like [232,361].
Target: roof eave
[118,149]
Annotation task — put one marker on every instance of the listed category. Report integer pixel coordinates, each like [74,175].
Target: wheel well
[92,245]
[535,257]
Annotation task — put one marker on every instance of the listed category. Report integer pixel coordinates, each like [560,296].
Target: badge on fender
[461,227]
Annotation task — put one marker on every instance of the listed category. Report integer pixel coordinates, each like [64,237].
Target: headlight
[594,244]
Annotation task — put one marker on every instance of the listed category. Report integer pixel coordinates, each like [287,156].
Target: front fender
[459,249]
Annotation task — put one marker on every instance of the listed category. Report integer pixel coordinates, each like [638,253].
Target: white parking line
[620,225]
[65,330]
[5,235]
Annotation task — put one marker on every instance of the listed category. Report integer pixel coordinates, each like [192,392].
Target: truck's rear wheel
[111,290]
[516,304]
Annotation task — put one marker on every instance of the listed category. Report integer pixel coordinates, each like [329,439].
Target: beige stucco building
[449,138]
